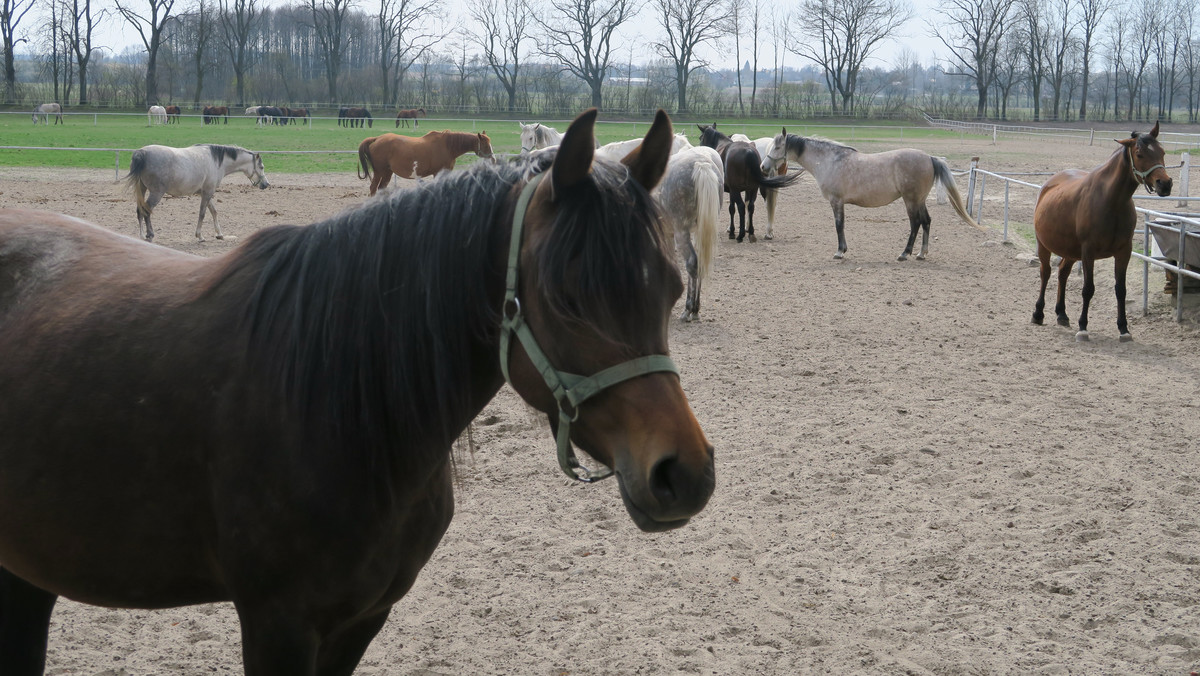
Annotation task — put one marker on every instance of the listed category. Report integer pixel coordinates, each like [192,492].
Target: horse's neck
[460,143]
[1117,173]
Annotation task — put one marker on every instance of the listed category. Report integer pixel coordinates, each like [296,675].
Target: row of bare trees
[1044,54]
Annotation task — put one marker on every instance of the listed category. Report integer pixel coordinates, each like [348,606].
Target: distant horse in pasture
[409,157]
[354,117]
[173,113]
[182,172]
[211,113]
[1088,215]
[156,115]
[410,114]
[743,175]
[846,176]
[45,110]
[274,427]
[296,114]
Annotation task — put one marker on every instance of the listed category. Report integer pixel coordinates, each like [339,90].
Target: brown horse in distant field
[173,114]
[353,117]
[296,114]
[211,113]
[412,114]
[335,365]
[1087,215]
[409,157]
[743,174]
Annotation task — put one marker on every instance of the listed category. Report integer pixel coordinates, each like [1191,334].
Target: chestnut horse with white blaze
[1087,215]
[409,157]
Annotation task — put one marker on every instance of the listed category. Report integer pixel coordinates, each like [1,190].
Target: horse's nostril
[664,480]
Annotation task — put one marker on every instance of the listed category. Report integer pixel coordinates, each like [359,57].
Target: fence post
[971,185]
[117,165]
[1007,184]
[979,209]
[1092,137]
[1183,177]
[994,134]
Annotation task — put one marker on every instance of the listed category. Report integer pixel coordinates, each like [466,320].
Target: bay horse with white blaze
[1088,215]
[410,114]
[743,174]
[182,172]
[846,176]
[273,427]
[409,157]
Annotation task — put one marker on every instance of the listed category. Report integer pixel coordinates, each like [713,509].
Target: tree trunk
[681,86]
[1083,98]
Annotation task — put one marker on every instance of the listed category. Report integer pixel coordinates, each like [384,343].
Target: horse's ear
[784,131]
[1154,131]
[700,127]
[648,161]
[575,153]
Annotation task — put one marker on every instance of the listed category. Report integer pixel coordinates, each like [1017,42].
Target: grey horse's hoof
[768,237]
[839,255]
[902,257]
[1082,337]
[1126,338]
[920,257]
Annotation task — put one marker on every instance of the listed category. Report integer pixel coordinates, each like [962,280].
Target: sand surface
[912,478]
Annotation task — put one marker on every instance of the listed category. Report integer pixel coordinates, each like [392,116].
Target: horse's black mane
[368,323]
[819,142]
[219,151]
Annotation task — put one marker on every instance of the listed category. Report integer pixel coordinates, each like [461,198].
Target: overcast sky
[915,36]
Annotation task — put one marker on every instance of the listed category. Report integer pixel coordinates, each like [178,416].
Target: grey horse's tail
[942,174]
[133,180]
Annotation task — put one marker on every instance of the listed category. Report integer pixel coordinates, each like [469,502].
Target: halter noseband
[1141,175]
[569,390]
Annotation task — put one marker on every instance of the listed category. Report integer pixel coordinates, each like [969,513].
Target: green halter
[1141,175]
[569,390]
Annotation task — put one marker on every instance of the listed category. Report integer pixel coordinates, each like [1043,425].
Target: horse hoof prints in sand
[1086,215]
[273,426]
[182,172]
[846,176]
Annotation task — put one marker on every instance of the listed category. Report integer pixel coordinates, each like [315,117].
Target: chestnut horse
[411,114]
[409,157]
[1088,215]
[273,427]
[743,174]
[211,113]
[173,114]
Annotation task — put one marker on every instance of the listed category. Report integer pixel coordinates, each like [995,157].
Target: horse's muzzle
[1162,187]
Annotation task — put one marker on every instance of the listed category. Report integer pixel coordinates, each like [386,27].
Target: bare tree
[972,30]
[736,11]
[842,35]
[500,28]
[56,60]
[1060,38]
[150,27]
[239,20]
[1140,45]
[687,25]
[11,13]
[80,29]
[1091,14]
[201,30]
[755,10]
[1032,35]
[329,25]
[579,34]
[404,37]
[1008,70]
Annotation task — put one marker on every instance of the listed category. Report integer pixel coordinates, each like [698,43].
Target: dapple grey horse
[181,172]
[690,197]
[46,110]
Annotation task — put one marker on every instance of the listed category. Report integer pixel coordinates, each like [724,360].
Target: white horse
[764,145]
[157,114]
[847,176]
[538,136]
[619,149]
[690,197]
[181,172]
[46,110]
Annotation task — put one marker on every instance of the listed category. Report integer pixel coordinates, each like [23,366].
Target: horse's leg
[1060,308]
[736,196]
[926,220]
[733,200]
[1120,263]
[839,224]
[276,642]
[205,203]
[24,625]
[1039,307]
[914,226]
[216,226]
[1089,289]
[683,244]
[340,654]
[753,195]
[769,197]
[151,202]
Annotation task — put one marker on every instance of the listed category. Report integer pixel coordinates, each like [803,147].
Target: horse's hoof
[220,236]
[1063,321]
[753,239]
[920,257]
[1126,338]
[902,257]
[1082,337]
[768,237]
[1037,320]
[839,256]
[732,236]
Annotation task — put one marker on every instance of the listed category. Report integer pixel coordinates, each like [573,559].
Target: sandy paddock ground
[912,478]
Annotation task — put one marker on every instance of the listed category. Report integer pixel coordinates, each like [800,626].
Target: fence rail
[1166,138]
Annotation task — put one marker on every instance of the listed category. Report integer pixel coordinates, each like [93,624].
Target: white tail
[944,178]
[708,205]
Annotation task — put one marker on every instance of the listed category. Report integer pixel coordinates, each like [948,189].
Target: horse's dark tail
[369,120]
[364,157]
[133,180]
[770,182]
[942,174]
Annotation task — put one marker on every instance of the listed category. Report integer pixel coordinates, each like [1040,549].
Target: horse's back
[878,179]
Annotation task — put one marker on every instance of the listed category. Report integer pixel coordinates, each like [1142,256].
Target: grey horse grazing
[181,172]
[847,176]
[46,110]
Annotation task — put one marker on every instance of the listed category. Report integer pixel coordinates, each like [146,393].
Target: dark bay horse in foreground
[273,427]
[155,171]
[743,174]
[846,176]
[410,114]
[409,157]
[1086,215]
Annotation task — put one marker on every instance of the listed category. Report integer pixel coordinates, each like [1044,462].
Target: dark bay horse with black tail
[1088,215]
[743,174]
[354,117]
[273,427]
[410,114]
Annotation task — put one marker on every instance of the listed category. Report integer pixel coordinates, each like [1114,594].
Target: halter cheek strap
[569,390]
[1141,175]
